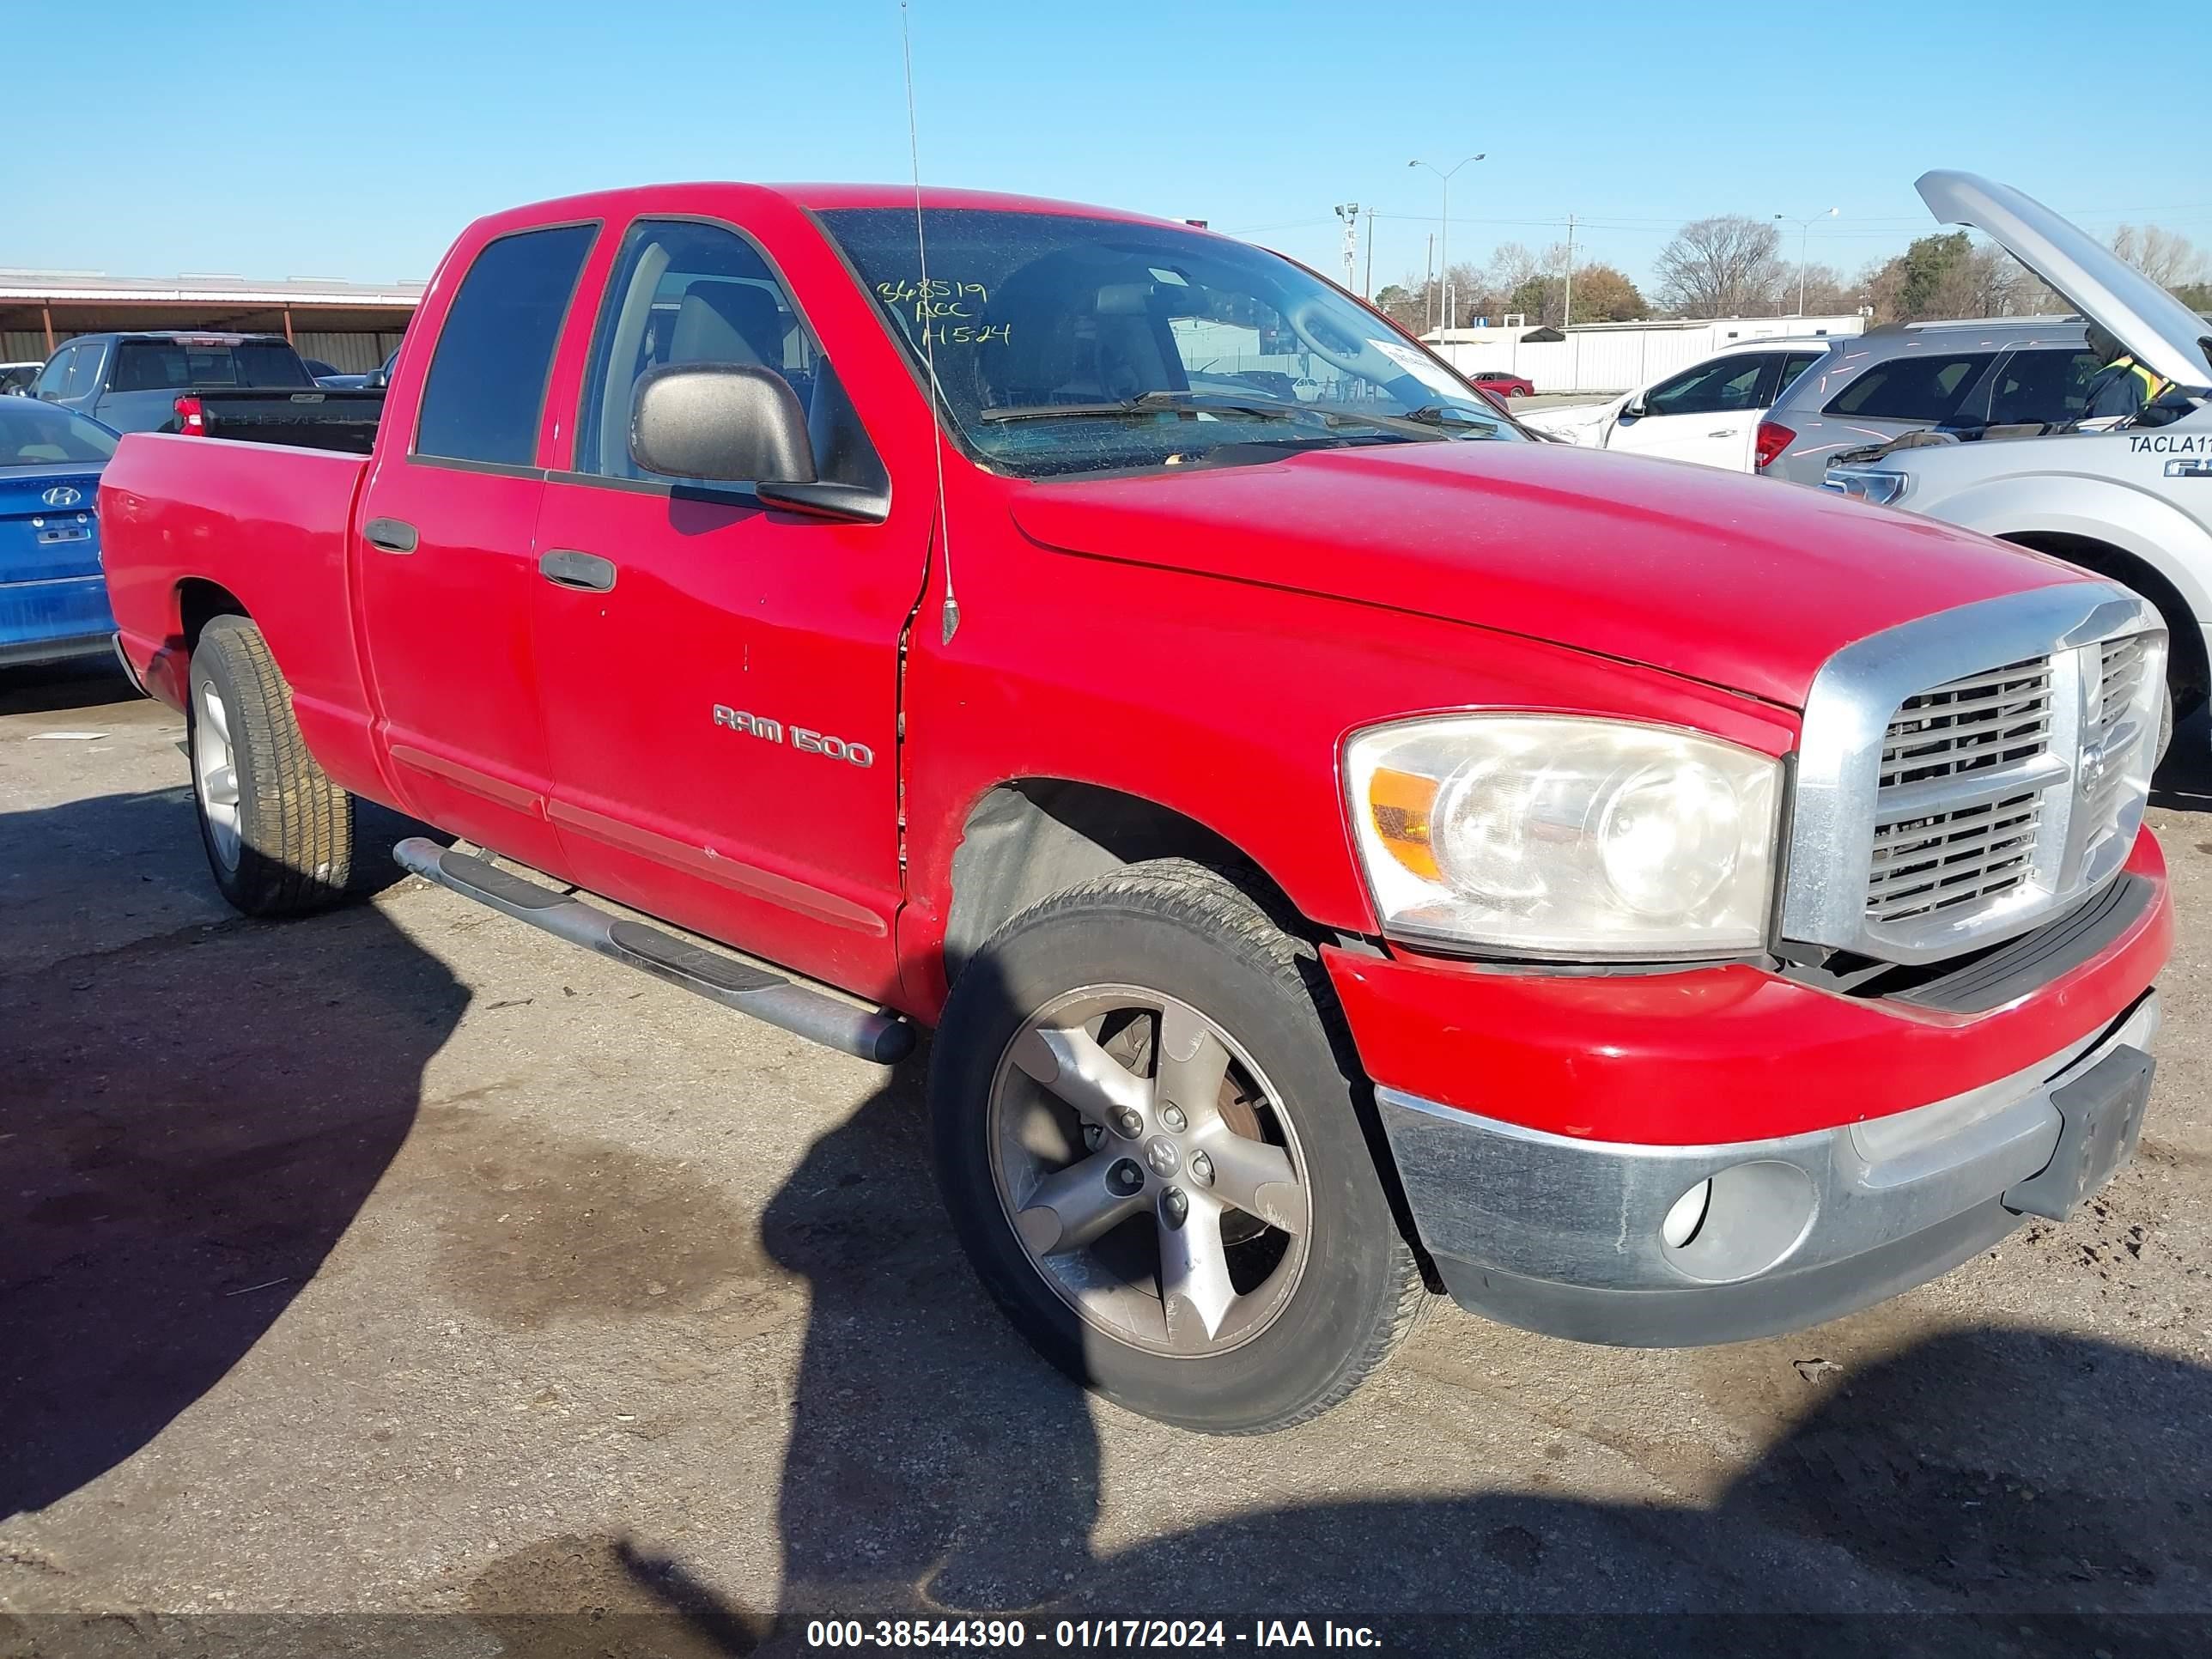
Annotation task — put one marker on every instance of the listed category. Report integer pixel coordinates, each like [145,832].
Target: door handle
[587,572]
[390,535]
[1726,432]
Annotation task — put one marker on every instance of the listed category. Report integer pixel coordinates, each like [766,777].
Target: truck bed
[268,524]
[326,419]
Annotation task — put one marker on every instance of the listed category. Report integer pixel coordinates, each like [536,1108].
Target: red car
[1499,384]
[1347,850]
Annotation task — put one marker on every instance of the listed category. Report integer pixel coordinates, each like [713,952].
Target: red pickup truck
[1346,852]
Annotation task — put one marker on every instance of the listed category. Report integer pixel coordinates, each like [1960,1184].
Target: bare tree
[2166,257]
[1725,266]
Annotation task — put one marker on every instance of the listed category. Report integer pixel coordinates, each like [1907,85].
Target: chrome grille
[1966,775]
[1956,857]
[1922,866]
[2121,664]
[1982,721]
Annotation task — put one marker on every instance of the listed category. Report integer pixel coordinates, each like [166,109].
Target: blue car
[54,598]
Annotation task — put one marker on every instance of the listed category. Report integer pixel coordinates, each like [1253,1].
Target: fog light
[1742,1221]
[1688,1214]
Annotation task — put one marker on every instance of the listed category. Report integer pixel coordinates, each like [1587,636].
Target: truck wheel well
[199,602]
[2187,672]
[1031,838]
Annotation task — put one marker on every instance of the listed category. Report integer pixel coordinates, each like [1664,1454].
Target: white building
[1611,357]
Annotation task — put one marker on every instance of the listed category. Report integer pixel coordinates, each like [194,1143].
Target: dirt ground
[403,1281]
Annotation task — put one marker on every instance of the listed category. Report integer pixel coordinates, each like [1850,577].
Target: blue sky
[353,141]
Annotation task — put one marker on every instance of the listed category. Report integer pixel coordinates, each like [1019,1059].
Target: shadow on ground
[89,682]
[192,1120]
[1996,1491]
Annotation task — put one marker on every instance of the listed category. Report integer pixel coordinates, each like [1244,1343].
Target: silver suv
[1872,387]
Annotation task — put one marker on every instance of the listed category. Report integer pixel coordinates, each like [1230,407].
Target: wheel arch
[1027,838]
[199,601]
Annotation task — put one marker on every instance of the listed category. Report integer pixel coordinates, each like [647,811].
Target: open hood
[2165,336]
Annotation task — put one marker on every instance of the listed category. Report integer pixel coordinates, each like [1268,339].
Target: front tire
[1151,1153]
[278,832]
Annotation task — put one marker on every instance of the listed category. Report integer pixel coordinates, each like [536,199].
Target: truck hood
[2165,334]
[1745,583]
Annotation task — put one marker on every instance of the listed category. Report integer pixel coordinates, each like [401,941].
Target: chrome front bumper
[1572,1238]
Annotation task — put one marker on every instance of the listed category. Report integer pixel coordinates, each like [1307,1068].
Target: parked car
[176,381]
[321,370]
[1960,376]
[53,601]
[1708,413]
[15,379]
[2131,502]
[1496,381]
[1343,846]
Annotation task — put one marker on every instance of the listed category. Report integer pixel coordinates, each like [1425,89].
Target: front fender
[2102,509]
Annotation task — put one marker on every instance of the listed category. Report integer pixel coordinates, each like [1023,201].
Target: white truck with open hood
[2132,502]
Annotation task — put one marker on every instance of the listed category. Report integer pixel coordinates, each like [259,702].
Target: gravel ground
[406,1267]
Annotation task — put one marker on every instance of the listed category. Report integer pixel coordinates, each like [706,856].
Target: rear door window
[1923,386]
[2043,384]
[486,388]
[1726,383]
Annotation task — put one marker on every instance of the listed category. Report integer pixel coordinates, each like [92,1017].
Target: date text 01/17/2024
[1005,1635]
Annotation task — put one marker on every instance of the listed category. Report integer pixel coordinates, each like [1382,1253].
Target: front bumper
[1569,1237]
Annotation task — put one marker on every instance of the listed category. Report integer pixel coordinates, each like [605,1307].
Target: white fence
[1614,358]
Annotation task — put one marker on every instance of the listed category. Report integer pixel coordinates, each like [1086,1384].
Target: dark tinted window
[486,382]
[2048,384]
[168,365]
[84,370]
[1792,366]
[1726,383]
[33,434]
[1924,386]
[683,293]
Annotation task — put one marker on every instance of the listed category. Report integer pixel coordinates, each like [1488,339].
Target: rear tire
[1294,1296]
[278,832]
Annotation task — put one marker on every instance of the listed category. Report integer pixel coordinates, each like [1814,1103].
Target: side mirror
[727,422]
[1632,409]
[740,423]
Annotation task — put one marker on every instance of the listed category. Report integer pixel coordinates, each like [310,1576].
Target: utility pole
[1444,232]
[1804,243]
[1349,212]
[1367,287]
[1567,310]
[1428,287]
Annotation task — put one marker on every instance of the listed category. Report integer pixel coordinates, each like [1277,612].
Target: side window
[2047,384]
[684,293]
[1926,386]
[1794,364]
[486,388]
[55,374]
[84,373]
[1727,383]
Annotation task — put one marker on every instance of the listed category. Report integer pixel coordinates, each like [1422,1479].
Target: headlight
[1879,488]
[1548,835]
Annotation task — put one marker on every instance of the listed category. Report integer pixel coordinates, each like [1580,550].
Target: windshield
[40,435]
[1070,344]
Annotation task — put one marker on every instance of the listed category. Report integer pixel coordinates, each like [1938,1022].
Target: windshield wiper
[1444,415]
[1154,403]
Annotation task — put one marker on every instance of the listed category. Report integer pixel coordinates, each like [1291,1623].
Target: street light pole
[1804,245]
[1443,236]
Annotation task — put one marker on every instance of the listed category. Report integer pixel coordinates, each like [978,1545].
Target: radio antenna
[937,399]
